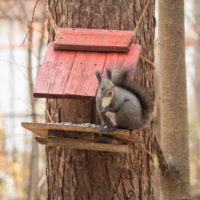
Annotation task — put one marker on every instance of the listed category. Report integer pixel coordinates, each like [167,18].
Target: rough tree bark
[157,129]
[174,125]
[84,175]
[197,78]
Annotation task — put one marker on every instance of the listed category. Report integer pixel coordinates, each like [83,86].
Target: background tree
[195,137]
[174,122]
[80,174]
[197,58]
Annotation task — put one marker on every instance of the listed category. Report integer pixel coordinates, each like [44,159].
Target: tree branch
[166,166]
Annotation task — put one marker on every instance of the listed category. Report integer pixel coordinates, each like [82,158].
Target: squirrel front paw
[110,129]
[103,128]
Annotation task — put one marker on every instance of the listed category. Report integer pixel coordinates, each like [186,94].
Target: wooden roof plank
[93,40]
[54,73]
[41,85]
[131,58]
[61,72]
[82,80]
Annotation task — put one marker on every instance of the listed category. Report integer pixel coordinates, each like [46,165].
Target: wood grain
[93,40]
[129,59]
[54,73]
[81,144]
[41,130]
[82,80]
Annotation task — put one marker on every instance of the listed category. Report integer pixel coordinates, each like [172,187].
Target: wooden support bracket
[80,144]
[166,166]
[82,136]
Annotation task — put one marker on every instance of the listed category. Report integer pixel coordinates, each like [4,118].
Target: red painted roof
[72,73]
[93,40]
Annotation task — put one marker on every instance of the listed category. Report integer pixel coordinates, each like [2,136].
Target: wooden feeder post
[82,174]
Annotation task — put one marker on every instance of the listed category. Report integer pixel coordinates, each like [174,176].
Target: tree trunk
[197,58]
[157,129]
[32,192]
[34,156]
[197,80]
[174,125]
[81,174]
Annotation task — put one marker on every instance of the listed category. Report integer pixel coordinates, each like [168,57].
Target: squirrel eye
[110,93]
[101,89]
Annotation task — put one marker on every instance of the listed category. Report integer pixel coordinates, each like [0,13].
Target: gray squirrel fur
[120,103]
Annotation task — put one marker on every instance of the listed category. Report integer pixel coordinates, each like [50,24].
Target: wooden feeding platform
[82,136]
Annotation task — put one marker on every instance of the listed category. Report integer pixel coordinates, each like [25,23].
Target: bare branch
[31,23]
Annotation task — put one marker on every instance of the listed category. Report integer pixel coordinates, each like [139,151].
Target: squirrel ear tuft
[109,73]
[98,75]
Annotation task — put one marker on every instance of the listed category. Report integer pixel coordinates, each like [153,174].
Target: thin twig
[33,174]
[147,151]
[32,18]
[140,19]
[163,164]
[49,116]
[137,27]
[167,167]
[148,61]
[51,20]
[41,40]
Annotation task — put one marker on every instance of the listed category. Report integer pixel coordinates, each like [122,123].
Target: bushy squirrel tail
[120,78]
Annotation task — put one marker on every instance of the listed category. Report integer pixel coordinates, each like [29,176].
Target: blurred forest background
[22,161]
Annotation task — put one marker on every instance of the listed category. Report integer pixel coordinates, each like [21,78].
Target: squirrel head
[106,89]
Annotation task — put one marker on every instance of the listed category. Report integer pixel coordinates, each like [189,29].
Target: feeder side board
[79,144]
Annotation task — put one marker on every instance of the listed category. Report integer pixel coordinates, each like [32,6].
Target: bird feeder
[68,71]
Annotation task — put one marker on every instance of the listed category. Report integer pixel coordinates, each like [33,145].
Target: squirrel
[122,104]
